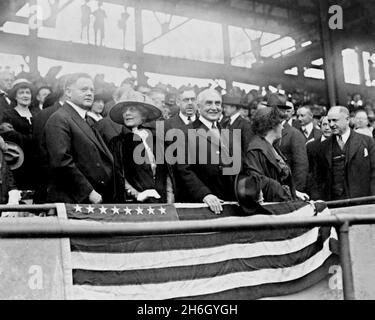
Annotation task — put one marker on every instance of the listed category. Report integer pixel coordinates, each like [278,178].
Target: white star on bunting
[162,210]
[115,210]
[128,211]
[139,211]
[103,210]
[151,210]
[78,208]
[90,209]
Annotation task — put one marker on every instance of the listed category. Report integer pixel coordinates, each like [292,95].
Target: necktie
[143,135]
[226,123]
[3,94]
[341,142]
[305,132]
[215,130]
[189,120]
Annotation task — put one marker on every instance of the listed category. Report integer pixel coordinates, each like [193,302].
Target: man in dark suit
[346,160]
[41,154]
[232,110]
[306,119]
[6,82]
[315,187]
[80,162]
[292,144]
[204,176]
[187,103]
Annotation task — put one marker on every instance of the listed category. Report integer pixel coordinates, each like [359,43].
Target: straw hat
[139,101]
[14,155]
[20,83]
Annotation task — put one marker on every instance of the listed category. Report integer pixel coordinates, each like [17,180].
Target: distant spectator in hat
[96,112]
[21,118]
[245,112]
[306,119]
[292,144]
[270,178]
[41,96]
[137,182]
[158,98]
[361,123]
[232,110]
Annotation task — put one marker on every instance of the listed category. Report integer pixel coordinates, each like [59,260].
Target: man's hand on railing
[214,203]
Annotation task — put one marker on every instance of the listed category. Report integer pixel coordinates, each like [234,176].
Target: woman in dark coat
[138,178]
[20,117]
[268,176]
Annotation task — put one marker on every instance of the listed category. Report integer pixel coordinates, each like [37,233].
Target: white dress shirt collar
[234,117]
[95,116]
[185,118]
[207,123]
[309,128]
[82,112]
[345,136]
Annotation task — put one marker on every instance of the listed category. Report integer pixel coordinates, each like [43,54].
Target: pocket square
[365,153]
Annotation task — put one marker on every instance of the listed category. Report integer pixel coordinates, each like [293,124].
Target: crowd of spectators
[290,126]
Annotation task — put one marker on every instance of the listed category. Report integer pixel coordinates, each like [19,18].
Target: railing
[60,228]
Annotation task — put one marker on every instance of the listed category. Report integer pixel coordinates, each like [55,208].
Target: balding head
[305,115]
[338,118]
[6,80]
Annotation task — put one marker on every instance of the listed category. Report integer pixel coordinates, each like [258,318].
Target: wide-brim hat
[139,101]
[232,100]
[14,155]
[245,189]
[20,83]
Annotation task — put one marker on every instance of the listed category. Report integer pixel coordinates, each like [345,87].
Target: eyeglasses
[189,99]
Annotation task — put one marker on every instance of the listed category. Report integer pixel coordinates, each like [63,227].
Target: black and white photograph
[187,155]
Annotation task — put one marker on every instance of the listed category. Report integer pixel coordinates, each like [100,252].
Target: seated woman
[20,117]
[266,175]
[138,178]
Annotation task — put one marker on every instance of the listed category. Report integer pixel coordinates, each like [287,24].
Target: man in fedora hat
[232,110]
[80,162]
[292,143]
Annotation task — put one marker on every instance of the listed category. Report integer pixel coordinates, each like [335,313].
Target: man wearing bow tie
[346,160]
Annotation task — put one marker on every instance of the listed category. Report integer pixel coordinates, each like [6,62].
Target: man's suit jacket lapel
[328,146]
[86,129]
[352,146]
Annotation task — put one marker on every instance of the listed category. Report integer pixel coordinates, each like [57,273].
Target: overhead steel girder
[90,54]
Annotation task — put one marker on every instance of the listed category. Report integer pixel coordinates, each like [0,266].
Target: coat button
[98,165]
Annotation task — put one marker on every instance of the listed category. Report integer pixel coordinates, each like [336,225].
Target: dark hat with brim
[136,99]
[18,84]
[232,101]
[246,189]
[14,155]
[103,96]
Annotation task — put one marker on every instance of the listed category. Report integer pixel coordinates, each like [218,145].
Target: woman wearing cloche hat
[138,178]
